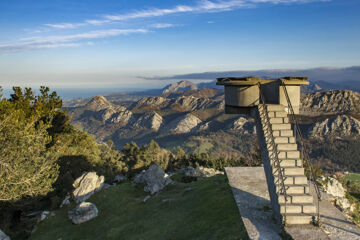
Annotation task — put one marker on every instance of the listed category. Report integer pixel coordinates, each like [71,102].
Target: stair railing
[304,151]
[281,189]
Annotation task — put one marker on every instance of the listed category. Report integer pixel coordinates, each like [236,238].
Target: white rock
[183,124]
[199,172]
[86,185]
[154,179]
[3,236]
[44,215]
[66,201]
[335,188]
[343,203]
[84,212]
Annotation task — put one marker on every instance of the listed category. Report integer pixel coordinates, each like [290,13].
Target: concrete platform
[252,197]
[251,194]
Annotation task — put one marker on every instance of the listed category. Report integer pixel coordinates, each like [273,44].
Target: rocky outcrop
[150,120]
[99,103]
[84,212]
[123,118]
[335,188]
[244,124]
[199,172]
[154,179]
[183,124]
[191,103]
[339,126]
[338,101]
[86,185]
[151,102]
[3,236]
[179,86]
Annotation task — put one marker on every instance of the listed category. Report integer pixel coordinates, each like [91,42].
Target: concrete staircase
[299,207]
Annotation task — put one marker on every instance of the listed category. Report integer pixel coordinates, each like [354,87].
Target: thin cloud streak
[64,40]
[204,6]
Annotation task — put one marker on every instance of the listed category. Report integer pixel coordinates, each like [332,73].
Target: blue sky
[113,43]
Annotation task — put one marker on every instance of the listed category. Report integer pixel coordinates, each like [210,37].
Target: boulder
[199,172]
[154,178]
[86,185]
[3,236]
[335,188]
[343,203]
[44,215]
[84,212]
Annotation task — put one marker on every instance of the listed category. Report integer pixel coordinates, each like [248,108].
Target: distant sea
[71,93]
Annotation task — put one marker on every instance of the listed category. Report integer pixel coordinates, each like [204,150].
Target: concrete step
[283,133]
[293,180]
[275,107]
[296,189]
[284,139]
[281,126]
[297,198]
[285,154]
[294,171]
[299,219]
[279,120]
[298,208]
[289,171]
[287,146]
[290,163]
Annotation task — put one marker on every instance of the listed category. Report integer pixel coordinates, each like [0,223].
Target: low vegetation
[42,154]
[204,209]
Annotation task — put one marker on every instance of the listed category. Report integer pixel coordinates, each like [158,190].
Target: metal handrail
[304,151]
[281,178]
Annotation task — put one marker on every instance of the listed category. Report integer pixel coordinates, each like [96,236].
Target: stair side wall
[267,167]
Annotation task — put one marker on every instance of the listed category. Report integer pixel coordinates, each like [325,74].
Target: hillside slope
[181,211]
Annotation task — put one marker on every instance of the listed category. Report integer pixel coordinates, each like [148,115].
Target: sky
[124,43]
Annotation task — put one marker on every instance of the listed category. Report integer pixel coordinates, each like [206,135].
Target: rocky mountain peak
[151,120]
[183,124]
[98,103]
[337,101]
[179,86]
[339,126]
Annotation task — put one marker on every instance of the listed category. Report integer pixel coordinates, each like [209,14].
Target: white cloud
[162,25]
[65,40]
[203,6]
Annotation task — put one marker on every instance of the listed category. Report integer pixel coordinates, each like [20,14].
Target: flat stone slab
[252,198]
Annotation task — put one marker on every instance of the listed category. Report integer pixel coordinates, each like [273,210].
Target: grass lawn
[204,209]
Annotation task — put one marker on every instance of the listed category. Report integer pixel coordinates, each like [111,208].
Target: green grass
[353,177]
[204,209]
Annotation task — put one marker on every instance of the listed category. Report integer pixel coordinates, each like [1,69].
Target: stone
[120,178]
[154,179]
[86,185]
[3,236]
[335,188]
[65,202]
[44,215]
[343,203]
[84,212]
[146,198]
[199,172]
